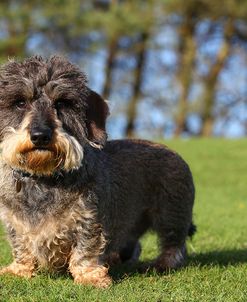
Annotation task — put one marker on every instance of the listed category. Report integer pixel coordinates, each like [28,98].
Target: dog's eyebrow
[13,95]
[60,90]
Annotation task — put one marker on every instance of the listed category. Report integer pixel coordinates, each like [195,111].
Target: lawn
[217,263]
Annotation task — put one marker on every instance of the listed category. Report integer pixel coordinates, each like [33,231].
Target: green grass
[217,264]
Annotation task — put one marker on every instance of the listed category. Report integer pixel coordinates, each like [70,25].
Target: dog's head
[48,115]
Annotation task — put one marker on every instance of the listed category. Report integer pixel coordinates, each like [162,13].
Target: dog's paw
[17,270]
[170,258]
[96,276]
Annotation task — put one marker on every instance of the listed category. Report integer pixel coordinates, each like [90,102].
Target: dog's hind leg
[128,254]
[131,252]
[172,224]
[170,258]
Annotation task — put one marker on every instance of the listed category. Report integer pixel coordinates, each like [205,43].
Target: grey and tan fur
[71,200]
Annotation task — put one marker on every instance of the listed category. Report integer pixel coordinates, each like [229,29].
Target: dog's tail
[192,230]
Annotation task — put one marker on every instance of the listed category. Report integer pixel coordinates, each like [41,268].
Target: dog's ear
[96,114]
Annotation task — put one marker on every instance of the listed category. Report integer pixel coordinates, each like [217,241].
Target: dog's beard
[63,153]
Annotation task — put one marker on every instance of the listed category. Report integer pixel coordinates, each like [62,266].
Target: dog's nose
[41,137]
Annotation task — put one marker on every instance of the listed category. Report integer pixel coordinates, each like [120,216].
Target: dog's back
[150,187]
[153,163]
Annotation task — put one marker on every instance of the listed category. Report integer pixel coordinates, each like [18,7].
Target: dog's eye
[20,104]
[61,103]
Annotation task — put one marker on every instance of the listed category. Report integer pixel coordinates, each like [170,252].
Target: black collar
[70,180]
[19,174]
[20,177]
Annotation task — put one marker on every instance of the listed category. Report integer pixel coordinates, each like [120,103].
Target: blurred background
[168,67]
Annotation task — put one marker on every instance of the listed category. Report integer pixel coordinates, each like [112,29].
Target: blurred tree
[112,38]
[131,19]
[211,79]
[112,52]
[15,22]
[89,28]
[137,83]
[192,12]
[187,53]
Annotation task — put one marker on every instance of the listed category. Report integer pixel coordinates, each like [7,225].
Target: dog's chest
[34,200]
[46,220]
[50,241]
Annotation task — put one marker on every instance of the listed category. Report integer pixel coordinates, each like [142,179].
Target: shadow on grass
[222,258]
[232,257]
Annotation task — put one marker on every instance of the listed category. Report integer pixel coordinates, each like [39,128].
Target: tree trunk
[132,106]
[112,51]
[187,52]
[211,80]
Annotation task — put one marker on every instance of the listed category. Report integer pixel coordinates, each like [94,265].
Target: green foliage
[211,9]
[15,23]
[217,264]
[125,19]
[70,27]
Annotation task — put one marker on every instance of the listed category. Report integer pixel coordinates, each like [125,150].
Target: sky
[160,92]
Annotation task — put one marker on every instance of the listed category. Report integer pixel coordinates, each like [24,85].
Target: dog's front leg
[24,262]
[85,264]
[88,271]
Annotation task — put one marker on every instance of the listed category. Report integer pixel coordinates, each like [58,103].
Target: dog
[70,199]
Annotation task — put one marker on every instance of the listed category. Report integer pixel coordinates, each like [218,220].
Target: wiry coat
[80,200]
